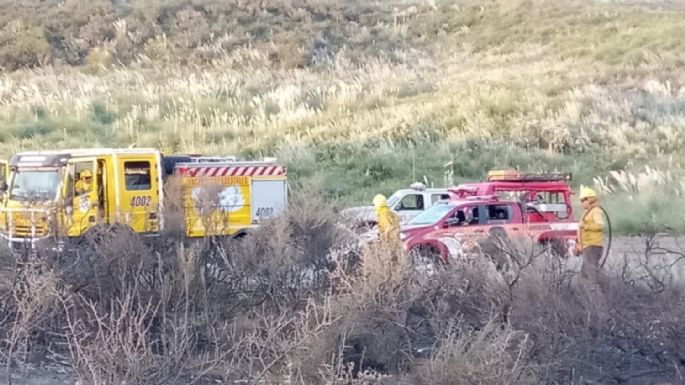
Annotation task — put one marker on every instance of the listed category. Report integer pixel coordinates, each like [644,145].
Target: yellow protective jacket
[388,224]
[81,187]
[591,227]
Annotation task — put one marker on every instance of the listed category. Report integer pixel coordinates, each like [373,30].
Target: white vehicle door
[269,198]
[410,206]
[437,197]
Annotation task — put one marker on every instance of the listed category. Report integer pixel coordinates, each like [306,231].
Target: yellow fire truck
[62,195]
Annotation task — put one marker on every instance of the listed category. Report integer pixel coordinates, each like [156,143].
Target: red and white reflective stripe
[232,171]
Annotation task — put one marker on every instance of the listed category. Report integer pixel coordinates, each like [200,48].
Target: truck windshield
[34,185]
[432,215]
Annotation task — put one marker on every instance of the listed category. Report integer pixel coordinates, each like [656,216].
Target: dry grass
[653,197]
[297,303]
[582,87]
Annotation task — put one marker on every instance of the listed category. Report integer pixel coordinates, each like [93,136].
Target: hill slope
[360,97]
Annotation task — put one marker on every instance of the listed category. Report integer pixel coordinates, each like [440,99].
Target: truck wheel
[426,258]
[493,245]
[103,234]
[499,236]
[556,246]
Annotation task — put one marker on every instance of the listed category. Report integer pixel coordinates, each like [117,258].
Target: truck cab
[407,203]
[66,194]
[454,227]
[546,197]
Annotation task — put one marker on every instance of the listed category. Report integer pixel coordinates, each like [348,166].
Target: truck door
[504,216]
[410,206]
[139,194]
[437,197]
[80,191]
[4,177]
[464,224]
[268,198]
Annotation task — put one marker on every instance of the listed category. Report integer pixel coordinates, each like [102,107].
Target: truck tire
[499,234]
[493,245]
[556,246]
[102,234]
[426,257]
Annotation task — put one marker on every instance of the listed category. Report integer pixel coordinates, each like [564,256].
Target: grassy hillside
[364,97]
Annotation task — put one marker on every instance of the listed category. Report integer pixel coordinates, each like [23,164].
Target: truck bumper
[33,244]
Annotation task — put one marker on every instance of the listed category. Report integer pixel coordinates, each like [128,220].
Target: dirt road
[664,255]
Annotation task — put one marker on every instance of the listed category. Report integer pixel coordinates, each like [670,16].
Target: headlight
[403,236]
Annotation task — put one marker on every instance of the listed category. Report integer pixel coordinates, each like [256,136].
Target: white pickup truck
[407,203]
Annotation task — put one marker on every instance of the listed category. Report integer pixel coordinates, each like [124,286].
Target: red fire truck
[535,206]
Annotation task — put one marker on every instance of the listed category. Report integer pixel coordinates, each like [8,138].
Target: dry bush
[173,211]
[108,262]
[285,260]
[374,305]
[295,302]
[493,355]
[608,333]
[28,314]
[117,345]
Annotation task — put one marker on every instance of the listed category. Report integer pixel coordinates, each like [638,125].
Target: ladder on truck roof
[215,159]
[515,176]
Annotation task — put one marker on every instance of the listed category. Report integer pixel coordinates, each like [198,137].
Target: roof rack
[481,198]
[516,176]
[209,158]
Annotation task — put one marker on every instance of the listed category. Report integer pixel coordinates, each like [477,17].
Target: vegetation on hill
[361,97]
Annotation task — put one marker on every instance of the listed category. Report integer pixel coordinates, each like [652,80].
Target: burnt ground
[624,249]
[47,375]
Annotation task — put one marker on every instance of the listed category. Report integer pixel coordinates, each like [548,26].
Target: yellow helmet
[86,174]
[586,192]
[380,201]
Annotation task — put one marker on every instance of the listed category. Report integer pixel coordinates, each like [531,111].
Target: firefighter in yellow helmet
[388,221]
[85,182]
[590,241]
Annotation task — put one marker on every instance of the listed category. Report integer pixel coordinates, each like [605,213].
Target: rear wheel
[556,246]
[426,259]
[104,234]
[499,235]
[494,245]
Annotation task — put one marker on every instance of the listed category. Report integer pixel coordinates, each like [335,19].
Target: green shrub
[23,45]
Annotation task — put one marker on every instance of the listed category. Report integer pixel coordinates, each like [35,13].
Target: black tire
[424,256]
[493,246]
[556,246]
[103,234]
[499,235]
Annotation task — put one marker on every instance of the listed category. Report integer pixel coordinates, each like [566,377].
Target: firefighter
[590,241]
[388,221]
[83,185]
